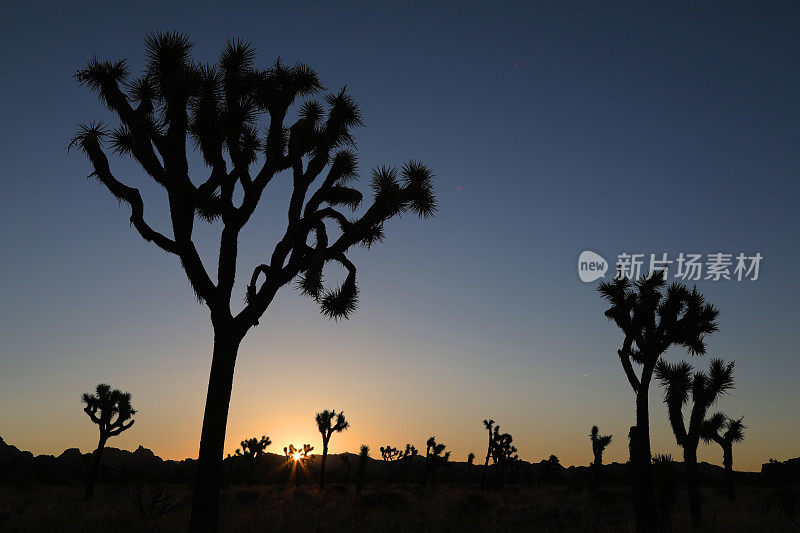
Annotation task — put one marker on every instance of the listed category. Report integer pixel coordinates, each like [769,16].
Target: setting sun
[296,456]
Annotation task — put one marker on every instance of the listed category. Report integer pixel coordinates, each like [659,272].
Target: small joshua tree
[489,425]
[679,382]
[253,448]
[666,490]
[599,444]
[327,427]
[732,432]
[390,455]
[346,461]
[363,461]
[503,452]
[112,412]
[296,457]
[406,457]
[470,466]
[435,457]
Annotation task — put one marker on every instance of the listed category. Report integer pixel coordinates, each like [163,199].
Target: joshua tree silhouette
[112,412]
[470,466]
[390,455]
[665,489]
[679,381]
[296,460]
[435,457]
[348,465]
[327,427]
[220,109]
[363,461]
[503,452]
[253,448]
[733,433]
[489,425]
[405,459]
[653,318]
[599,444]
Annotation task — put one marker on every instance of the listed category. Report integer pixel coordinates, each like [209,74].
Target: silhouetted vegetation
[503,452]
[253,448]
[327,427]
[599,444]
[389,455]
[111,410]
[470,465]
[363,461]
[732,433]
[346,461]
[666,490]
[489,425]
[679,382]
[296,460]
[405,459]
[652,318]
[435,457]
[219,110]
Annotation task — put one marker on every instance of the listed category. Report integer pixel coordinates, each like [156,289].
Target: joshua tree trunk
[322,464]
[94,470]
[692,490]
[644,503]
[727,462]
[205,506]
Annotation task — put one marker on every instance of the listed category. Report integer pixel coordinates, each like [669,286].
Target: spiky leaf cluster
[680,382]
[253,448]
[110,409]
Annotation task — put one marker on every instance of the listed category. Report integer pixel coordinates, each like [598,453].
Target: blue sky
[552,127]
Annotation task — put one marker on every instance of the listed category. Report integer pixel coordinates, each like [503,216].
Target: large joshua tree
[222,111]
[328,423]
[111,410]
[599,444]
[652,318]
[732,432]
[679,382]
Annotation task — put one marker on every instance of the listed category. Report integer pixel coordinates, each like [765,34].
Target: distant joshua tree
[435,457]
[405,459]
[348,465]
[237,117]
[363,461]
[390,455]
[296,460]
[253,448]
[652,318]
[111,410]
[733,432]
[489,425]
[679,382]
[503,452]
[327,427]
[470,466]
[599,444]
[666,490]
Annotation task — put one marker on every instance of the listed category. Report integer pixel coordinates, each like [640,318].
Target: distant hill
[121,466]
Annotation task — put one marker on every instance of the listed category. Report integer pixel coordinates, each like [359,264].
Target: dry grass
[398,508]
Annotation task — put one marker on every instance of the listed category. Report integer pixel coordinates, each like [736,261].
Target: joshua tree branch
[127,194]
[625,359]
[120,429]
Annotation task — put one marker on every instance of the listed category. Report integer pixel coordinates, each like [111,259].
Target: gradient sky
[553,127]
